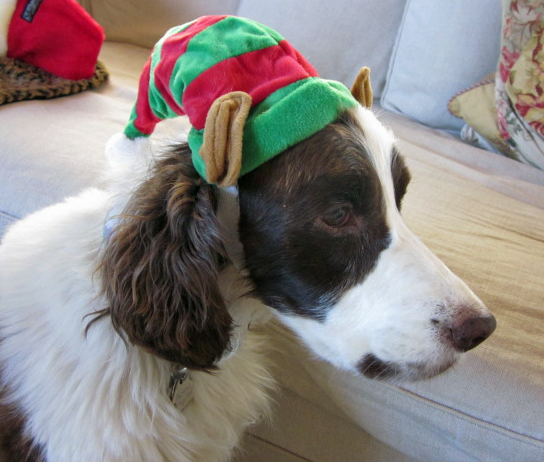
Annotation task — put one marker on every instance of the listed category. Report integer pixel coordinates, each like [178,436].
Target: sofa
[479,210]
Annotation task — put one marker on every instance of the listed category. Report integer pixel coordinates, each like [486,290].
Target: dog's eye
[337,217]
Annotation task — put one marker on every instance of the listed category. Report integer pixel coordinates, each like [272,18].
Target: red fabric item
[171,50]
[58,36]
[176,44]
[146,120]
[259,73]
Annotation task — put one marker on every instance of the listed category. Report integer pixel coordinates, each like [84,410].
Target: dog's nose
[470,332]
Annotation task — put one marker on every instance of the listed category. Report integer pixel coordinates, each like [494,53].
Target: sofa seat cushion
[52,149]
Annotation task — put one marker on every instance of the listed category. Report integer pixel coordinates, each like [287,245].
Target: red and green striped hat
[196,63]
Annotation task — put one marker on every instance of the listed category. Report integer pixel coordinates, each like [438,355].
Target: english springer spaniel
[129,316]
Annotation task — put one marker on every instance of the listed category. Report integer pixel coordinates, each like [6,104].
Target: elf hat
[248,94]
[58,36]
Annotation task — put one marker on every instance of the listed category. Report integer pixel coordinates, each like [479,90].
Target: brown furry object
[14,445]
[160,268]
[21,81]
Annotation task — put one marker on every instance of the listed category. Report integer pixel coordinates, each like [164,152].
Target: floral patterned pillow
[519,82]
[477,107]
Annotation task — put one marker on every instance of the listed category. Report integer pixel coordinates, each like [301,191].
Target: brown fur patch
[160,267]
[14,445]
[312,220]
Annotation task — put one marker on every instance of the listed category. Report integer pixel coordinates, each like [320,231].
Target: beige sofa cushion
[52,149]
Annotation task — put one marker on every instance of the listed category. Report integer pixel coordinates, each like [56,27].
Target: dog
[92,321]
[131,315]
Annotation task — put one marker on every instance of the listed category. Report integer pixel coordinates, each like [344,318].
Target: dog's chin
[374,368]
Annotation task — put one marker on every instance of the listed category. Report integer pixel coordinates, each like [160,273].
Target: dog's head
[324,245]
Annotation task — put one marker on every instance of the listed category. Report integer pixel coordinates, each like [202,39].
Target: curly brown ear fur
[160,267]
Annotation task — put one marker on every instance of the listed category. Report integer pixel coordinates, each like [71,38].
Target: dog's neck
[245,310]
[234,280]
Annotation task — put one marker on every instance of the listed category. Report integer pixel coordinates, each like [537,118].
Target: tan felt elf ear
[221,148]
[361,88]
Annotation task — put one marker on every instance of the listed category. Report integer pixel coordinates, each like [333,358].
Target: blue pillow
[442,47]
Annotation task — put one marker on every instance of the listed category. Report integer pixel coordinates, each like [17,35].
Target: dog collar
[181,385]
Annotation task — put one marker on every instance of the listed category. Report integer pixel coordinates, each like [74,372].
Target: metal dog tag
[180,390]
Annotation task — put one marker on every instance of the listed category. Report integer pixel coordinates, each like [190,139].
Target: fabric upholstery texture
[519,81]
[477,107]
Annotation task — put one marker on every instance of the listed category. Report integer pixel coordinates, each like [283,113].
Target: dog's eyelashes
[338,217]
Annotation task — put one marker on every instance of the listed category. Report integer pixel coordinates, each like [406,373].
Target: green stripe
[130,130]
[225,39]
[156,101]
[288,116]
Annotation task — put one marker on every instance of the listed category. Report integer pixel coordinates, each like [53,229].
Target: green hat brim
[286,117]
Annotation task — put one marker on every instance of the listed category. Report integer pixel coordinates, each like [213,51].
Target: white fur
[91,398]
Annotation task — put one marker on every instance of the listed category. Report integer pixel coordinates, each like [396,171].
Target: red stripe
[145,118]
[301,59]
[172,48]
[258,73]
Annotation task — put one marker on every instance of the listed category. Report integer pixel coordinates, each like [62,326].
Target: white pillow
[442,47]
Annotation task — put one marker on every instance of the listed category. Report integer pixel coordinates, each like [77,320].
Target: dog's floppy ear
[160,267]
[361,88]
[221,148]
